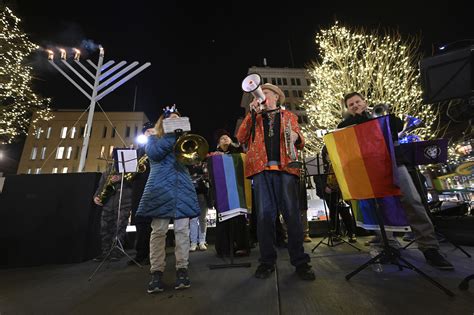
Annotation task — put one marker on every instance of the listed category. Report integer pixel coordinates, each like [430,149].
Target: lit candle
[63,53]
[77,54]
[50,54]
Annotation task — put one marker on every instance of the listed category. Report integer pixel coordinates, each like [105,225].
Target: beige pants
[158,243]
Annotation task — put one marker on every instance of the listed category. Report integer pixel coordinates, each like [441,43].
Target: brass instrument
[141,168]
[108,190]
[191,149]
[290,148]
[380,110]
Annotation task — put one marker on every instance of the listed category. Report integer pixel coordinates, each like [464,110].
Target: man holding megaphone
[268,137]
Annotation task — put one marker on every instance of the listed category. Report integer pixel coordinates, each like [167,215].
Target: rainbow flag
[232,191]
[363,160]
[392,212]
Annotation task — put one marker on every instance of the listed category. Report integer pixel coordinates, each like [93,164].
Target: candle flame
[63,53]
[77,54]
[50,54]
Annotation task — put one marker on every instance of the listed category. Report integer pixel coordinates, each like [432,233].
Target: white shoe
[202,246]
[192,248]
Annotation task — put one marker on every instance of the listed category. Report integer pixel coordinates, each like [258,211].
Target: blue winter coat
[169,191]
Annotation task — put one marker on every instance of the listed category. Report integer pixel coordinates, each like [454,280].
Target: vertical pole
[85,143]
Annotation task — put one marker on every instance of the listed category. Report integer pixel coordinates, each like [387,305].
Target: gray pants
[418,219]
[158,243]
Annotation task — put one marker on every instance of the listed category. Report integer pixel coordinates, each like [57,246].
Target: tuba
[141,168]
[190,149]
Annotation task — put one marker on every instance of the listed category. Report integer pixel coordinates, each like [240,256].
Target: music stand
[315,167]
[125,162]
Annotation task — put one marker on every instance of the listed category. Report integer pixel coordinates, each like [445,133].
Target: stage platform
[121,289]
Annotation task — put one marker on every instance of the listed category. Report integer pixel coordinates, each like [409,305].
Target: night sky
[201,52]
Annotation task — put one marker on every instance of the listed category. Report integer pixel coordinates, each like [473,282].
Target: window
[104,132]
[38,170]
[48,133]
[63,134]
[279,81]
[39,131]
[298,81]
[68,153]
[73,132]
[295,93]
[285,82]
[265,80]
[111,150]
[308,82]
[83,131]
[43,153]
[102,151]
[113,132]
[274,81]
[136,130]
[59,153]
[127,132]
[55,170]
[287,94]
[65,169]
[34,150]
[300,93]
[28,171]
[293,81]
[76,156]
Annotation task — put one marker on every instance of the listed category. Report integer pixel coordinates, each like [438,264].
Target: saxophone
[108,190]
[141,168]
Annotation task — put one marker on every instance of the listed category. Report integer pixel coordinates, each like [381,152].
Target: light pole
[98,84]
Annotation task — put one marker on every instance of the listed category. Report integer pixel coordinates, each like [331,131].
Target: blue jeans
[198,225]
[275,191]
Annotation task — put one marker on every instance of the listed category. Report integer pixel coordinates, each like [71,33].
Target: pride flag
[363,160]
[232,191]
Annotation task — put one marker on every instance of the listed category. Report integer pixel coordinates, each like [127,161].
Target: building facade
[55,146]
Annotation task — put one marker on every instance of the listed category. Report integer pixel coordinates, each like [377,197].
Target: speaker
[448,76]
[49,219]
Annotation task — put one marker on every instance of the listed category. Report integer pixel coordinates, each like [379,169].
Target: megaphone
[251,84]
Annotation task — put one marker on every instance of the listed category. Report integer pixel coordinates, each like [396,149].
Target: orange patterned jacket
[257,155]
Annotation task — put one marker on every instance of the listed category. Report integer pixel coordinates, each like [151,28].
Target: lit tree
[384,68]
[17,99]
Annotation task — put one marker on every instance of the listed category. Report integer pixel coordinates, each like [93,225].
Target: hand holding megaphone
[251,84]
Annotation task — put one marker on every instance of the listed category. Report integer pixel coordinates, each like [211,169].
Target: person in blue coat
[169,194]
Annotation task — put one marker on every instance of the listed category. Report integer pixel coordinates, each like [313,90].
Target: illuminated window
[111,150]
[59,153]
[39,131]
[65,169]
[55,170]
[48,133]
[28,171]
[102,151]
[73,132]
[43,153]
[33,153]
[38,170]
[63,134]
[68,153]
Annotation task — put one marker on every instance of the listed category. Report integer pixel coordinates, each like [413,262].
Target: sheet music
[129,159]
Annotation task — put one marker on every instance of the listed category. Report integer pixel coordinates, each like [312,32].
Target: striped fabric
[363,159]
[393,215]
[232,191]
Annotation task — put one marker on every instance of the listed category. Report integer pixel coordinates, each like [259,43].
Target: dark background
[200,51]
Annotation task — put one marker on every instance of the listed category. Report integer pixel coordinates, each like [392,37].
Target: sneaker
[193,247]
[435,259]
[352,239]
[305,272]
[307,239]
[202,246]
[182,279]
[264,271]
[155,285]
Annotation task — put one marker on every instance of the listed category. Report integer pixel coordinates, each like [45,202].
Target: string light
[384,68]
[18,102]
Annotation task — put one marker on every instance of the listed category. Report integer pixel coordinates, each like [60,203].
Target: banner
[232,191]
[363,159]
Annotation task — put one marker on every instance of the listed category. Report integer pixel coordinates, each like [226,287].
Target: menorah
[103,83]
